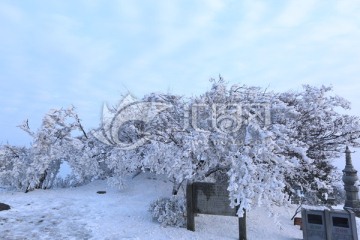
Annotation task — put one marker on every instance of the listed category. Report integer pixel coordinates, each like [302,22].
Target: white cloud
[332,28]
[214,5]
[10,12]
[175,30]
[91,52]
[254,11]
[296,12]
[129,10]
[348,7]
[65,38]
[91,4]
[211,9]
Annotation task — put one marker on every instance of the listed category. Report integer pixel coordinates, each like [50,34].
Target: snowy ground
[81,213]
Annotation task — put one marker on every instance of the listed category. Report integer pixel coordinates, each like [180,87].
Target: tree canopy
[261,142]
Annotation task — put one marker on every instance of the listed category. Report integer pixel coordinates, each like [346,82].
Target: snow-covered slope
[81,213]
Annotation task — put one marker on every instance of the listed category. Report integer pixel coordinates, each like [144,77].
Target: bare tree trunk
[176,187]
[40,185]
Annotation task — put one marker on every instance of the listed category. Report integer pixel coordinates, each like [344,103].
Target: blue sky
[85,53]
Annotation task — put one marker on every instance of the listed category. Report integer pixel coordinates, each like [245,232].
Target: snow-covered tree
[263,141]
[319,124]
[54,143]
[14,162]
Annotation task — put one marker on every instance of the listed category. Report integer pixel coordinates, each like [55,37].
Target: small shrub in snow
[116,182]
[169,211]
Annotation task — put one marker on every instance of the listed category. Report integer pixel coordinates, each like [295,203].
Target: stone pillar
[349,178]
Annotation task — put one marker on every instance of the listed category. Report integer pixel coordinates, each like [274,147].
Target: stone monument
[350,178]
[210,198]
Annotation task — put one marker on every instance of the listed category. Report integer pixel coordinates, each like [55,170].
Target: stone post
[350,178]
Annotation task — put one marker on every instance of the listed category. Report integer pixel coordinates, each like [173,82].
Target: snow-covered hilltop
[81,213]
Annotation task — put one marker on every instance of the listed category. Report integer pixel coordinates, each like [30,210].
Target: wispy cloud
[331,29]
[296,12]
[55,53]
[348,8]
[10,12]
[255,11]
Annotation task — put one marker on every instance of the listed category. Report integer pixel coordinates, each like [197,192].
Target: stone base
[354,203]
[355,210]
